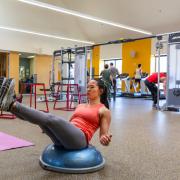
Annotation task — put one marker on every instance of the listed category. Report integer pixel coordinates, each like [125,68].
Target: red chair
[69,96]
[42,86]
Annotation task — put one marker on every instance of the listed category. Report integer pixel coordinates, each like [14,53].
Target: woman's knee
[50,120]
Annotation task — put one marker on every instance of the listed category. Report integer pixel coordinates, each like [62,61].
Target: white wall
[111,51]
[20,42]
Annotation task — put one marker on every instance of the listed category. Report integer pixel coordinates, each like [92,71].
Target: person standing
[138,75]
[114,72]
[107,78]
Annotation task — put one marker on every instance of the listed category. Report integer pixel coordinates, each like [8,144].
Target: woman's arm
[105,120]
[164,87]
[163,80]
[141,71]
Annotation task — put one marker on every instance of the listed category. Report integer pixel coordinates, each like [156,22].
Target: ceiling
[156,16]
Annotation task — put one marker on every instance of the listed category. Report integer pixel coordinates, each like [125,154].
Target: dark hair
[139,65]
[103,98]
[111,64]
[106,66]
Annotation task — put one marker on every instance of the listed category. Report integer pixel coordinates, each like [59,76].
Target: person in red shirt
[73,134]
[151,82]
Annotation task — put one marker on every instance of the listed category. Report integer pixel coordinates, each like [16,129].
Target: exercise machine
[72,68]
[173,72]
[131,89]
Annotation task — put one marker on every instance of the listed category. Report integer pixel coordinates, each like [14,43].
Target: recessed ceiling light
[44,35]
[84,16]
[30,57]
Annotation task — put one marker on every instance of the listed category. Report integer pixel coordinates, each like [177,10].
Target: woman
[138,74]
[151,82]
[73,134]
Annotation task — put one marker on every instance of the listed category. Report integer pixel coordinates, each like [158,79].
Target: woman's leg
[153,89]
[139,84]
[54,139]
[66,133]
[154,93]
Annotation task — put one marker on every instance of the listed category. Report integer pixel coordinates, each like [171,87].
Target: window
[163,65]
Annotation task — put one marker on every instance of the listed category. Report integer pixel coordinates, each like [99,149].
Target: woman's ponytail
[103,98]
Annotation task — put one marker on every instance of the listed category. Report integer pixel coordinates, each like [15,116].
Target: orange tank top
[87,119]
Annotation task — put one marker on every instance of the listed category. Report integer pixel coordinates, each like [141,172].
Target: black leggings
[153,89]
[62,132]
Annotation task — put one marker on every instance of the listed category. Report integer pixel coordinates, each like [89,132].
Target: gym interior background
[145,142]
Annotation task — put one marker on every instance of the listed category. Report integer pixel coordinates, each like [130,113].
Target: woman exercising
[138,74]
[151,82]
[73,134]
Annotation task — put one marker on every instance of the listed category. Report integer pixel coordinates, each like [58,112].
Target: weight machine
[173,71]
[72,69]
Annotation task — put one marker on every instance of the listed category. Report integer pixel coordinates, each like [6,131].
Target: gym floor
[145,146]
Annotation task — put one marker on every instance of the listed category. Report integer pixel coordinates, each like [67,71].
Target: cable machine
[173,71]
[72,67]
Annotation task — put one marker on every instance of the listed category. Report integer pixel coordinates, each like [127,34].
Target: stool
[42,85]
[71,161]
[68,106]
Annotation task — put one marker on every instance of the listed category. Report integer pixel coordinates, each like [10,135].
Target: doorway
[26,71]
[118,64]
[3,64]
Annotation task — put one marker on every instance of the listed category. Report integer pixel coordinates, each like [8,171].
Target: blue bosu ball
[71,161]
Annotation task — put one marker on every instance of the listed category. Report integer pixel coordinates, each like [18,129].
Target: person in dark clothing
[114,72]
[107,78]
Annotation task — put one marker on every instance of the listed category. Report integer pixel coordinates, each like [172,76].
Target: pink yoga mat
[11,142]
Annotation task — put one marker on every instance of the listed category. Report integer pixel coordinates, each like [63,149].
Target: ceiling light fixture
[44,35]
[84,16]
[30,57]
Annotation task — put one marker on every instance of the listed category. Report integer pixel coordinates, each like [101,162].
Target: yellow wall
[57,71]
[96,59]
[32,66]
[143,56]
[14,68]
[88,64]
[42,67]
[7,65]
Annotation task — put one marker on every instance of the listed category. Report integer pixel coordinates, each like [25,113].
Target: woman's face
[93,91]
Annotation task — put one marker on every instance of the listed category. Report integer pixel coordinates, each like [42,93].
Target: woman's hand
[105,120]
[105,139]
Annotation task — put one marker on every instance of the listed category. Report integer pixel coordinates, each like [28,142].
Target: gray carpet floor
[145,146]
